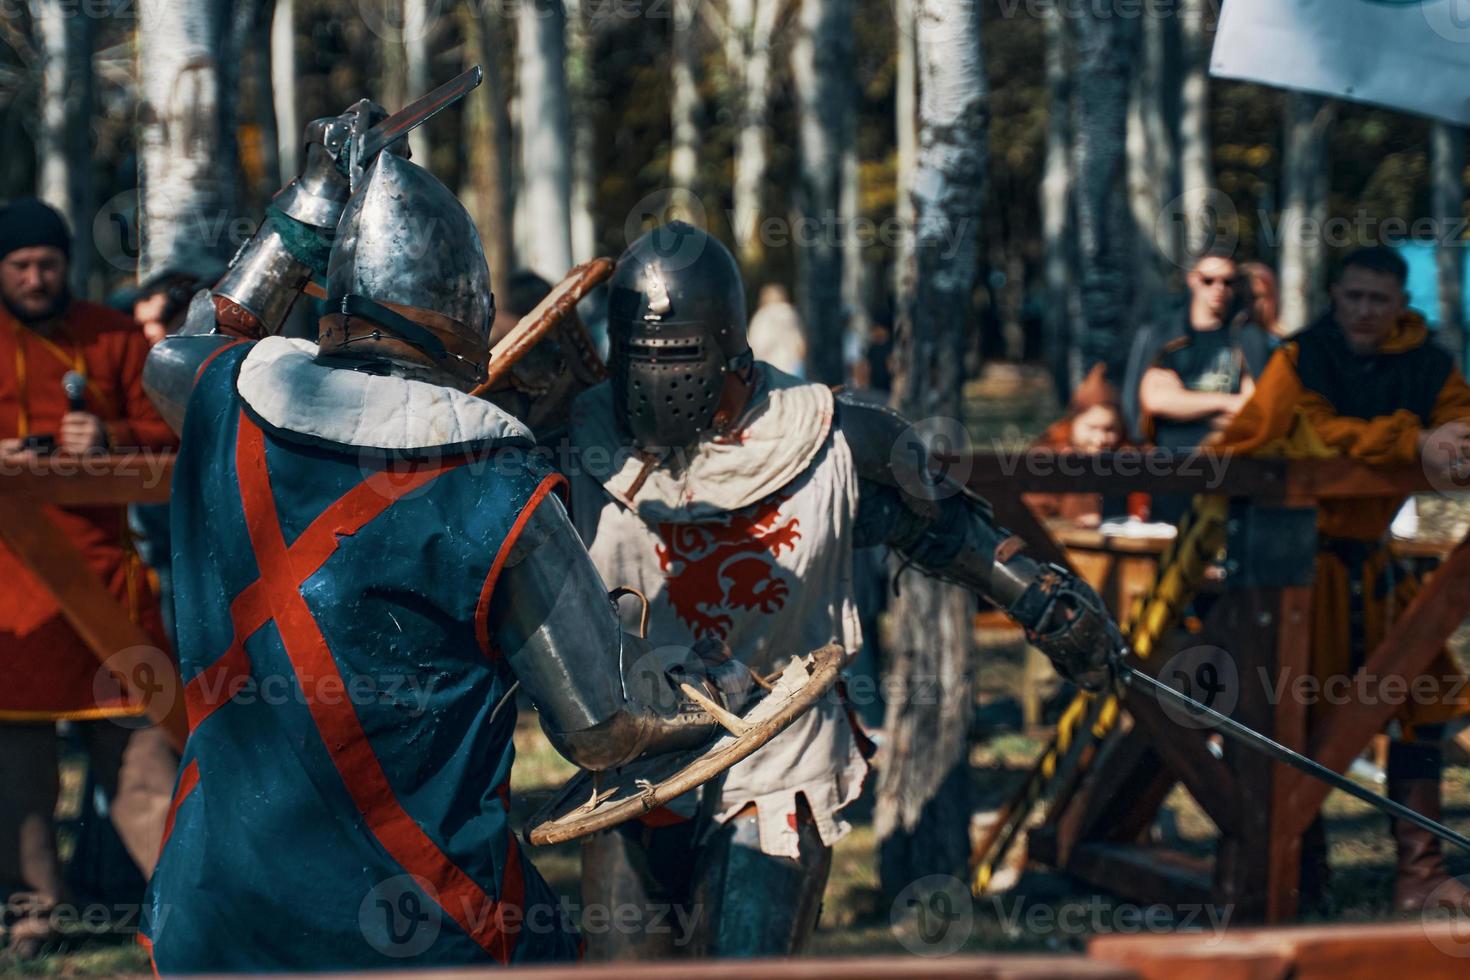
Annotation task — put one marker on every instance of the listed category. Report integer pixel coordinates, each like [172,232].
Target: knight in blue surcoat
[368,561]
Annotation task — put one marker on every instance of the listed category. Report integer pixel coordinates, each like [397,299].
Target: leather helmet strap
[735,392]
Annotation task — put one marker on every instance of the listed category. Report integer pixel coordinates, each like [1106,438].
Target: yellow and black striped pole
[1090,717]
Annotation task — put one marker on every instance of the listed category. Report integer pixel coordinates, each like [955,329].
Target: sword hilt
[367,145]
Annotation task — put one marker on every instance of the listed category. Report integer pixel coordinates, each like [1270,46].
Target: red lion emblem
[717,567]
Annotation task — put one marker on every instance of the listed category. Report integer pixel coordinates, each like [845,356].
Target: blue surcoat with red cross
[343,795]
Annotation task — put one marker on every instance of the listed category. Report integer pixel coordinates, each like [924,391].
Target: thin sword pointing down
[1245,735]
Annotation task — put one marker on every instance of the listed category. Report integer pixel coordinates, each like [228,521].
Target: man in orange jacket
[50,673]
[1369,383]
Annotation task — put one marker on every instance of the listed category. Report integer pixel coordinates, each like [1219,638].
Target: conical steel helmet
[407,281]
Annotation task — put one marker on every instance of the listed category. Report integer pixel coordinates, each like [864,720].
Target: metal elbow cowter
[605,697]
[172,367]
[635,730]
[931,521]
[951,534]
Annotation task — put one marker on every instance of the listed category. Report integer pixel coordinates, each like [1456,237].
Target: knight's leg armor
[634,866]
[755,904]
[735,900]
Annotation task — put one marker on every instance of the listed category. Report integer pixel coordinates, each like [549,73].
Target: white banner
[1412,55]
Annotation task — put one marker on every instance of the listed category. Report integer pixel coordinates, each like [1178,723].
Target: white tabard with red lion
[751,542]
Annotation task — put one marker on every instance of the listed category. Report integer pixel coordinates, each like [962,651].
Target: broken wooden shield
[590,801]
[545,318]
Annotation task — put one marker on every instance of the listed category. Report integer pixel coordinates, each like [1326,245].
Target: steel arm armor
[951,534]
[271,270]
[173,364]
[605,696]
[263,282]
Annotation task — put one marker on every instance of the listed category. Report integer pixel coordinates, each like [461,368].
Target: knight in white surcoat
[732,495]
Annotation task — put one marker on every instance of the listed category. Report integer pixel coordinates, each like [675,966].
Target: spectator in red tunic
[49,672]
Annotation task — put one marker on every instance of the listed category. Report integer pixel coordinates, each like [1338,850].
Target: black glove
[1067,621]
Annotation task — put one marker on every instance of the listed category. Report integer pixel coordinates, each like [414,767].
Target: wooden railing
[1262,619]
[27,487]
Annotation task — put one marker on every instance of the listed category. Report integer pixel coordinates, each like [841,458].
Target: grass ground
[1043,912]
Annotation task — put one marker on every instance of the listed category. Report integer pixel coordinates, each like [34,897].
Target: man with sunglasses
[1200,380]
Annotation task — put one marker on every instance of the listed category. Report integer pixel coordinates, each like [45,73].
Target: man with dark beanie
[50,673]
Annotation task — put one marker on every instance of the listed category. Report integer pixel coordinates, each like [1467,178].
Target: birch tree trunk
[393,86]
[683,100]
[1145,195]
[1303,207]
[821,68]
[1105,234]
[1153,174]
[1447,190]
[735,39]
[854,272]
[922,811]
[1196,167]
[415,72]
[1056,202]
[752,23]
[64,173]
[583,131]
[283,88]
[186,146]
[546,160]
[906,134]
[487,137]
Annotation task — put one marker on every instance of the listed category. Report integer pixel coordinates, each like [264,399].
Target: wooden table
[26,488]
[1421,950]
[1119,568]
[1361,951]
[1122,567]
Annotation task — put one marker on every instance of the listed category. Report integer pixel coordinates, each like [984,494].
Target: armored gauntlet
[1067,621]
[292,244]
[951,534]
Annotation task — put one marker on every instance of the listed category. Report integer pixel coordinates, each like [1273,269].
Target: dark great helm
[407,283]
[679,360]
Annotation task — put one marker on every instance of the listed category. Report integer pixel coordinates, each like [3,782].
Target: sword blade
[416,113]
[1248,736]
